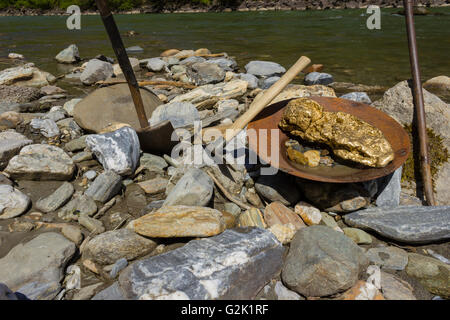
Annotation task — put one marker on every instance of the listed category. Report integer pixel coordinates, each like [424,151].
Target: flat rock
[117,151]
[357,235]
[180,114]
[110,105]
[38,265]
[134,49]
[10,144]
[405,223]
[111,246]
[154,186]
[226,64]
[96,70]
[252,218]
[18,94]
[105,186]
[390,187]
[41,162]
[204,73]
[12,202]
[148,160]
[93,225]
[322,262]
[46,127]
[278,213]
[318,78]
[389,258]
[57,199]
[81,204]
[68,55]
[195,188]
[264,68]
[433,274]
[394,288]
[233,265]
[10,75]
[180,221]
[277,188]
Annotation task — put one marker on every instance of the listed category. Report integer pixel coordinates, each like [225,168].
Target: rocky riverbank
[180,6]
[85,214]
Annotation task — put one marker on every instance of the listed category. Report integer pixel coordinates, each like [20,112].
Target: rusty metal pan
[270,117]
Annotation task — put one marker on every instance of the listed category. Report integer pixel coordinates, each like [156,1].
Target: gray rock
[87,293]
[81,204]
[93,225]
[76,144]
[69,55]
[277,188]
[111,246]
[192,60]
[232,208]
[10,144]
[73,233]
[195,188]
[12,202]
[113,292]
[70,105]
[117,267]
[71,126]
[394,288]
[41,162]
[10,75]
[180,114]
[390,258]
[82,156]
[156,64]
[205,73]
[55,115]
[264,68]
[17,94]
[105,186]
[134,49]
[6,293]
[148,161]
[322,262]
[57,199]
[357,96]
[391,188]
[267,83]
[96,70]
[38,265]
[51,90]
[250,79]
[318,78]
[90,175]
[405,223]
[117,151]
[224,63]
[233,265]
[46,127]
[284,293]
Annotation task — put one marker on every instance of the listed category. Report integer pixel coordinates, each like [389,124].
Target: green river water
[339,39]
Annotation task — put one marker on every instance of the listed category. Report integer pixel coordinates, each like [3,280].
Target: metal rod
[425,160]
[122,58]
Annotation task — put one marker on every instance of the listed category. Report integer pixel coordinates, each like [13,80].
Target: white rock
[12,202]
[10,144]
[96,70]
[46,127]
[156,64]
[70,105]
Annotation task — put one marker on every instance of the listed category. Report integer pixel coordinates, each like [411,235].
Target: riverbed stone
[117,151]
[96,70]
[12,202]
[134,49]
[233,265]
[278,213]
[111,246]
[93,225]
[10,75]
[68,55]
[204,73]
[309,214]
[69,106]
[134,65]
[57,199]
[156,64]
[338,258]
[73,233]
[391,188]
[10,144]
[252,81]
[38,265]
[433,274]
[408,224]
[180,114]
[10,120]
[46,127]
[81,204]
[18,94]
[300,91]
[264,68]
[398,103]
[252,218]
[358,235]
[195,188]
[357,96]
[267,83]
[154,186]
[318,78]
[440,85]
[394,288]
[180,221]
[389,258]
[277,188]
[226,64]
[41,162]
[105,186]
[149,160]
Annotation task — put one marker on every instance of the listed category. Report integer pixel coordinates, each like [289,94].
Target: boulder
[204,73]
[57,199]
[110,105]
[68,55]
[195,188]
[180,221]
[12,202]
[117,151]
[233,265]
[264,68]
[398,103]
[111,246]
[408,224]
[440,85]
[10,144]
[38,266]
[41,162]
[322,262]
[96,70]
[69,106]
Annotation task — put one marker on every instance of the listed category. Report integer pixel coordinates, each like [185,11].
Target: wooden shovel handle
[259,104]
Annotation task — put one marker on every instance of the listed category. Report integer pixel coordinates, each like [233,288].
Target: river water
[339,39]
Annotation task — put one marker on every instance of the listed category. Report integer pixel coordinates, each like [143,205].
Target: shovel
[155,139]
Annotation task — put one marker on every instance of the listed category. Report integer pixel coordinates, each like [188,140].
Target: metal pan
[270,117]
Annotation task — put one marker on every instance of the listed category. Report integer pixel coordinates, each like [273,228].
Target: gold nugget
[348,137]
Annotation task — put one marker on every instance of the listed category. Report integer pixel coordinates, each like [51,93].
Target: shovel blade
[159,139]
